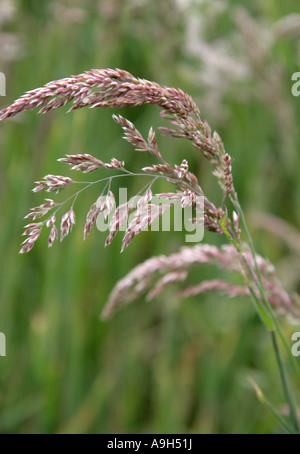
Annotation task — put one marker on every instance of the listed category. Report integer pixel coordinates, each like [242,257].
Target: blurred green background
[166,366]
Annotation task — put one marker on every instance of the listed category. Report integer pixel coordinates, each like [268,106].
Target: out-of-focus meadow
[168,366]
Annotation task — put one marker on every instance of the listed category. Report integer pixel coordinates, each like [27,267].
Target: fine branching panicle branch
[146,278]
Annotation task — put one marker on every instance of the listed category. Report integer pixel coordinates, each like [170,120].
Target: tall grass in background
[67,372]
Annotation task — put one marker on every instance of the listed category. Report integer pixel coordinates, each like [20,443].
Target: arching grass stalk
[271,322]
